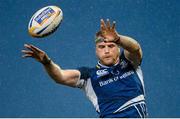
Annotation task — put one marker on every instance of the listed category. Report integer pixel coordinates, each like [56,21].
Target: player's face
[108,53]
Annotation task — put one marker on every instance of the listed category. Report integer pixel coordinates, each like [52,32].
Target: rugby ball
[45,21]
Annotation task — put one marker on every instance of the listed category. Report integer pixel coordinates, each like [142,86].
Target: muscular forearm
[128,44]
[54,71]
[132,48]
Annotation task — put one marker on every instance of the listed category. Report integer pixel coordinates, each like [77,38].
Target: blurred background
[27,91]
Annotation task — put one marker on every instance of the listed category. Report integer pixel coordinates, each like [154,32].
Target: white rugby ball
[45,21]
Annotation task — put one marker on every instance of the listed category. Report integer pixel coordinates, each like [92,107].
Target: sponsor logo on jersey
[115,72]
[102,72]
[116,78]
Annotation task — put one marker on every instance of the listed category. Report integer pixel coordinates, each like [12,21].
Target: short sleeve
[122,56]
[84,75]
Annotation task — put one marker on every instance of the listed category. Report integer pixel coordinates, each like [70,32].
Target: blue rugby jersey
[116,91]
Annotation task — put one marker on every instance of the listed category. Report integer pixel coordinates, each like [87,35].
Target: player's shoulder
[86,72]
[85,69]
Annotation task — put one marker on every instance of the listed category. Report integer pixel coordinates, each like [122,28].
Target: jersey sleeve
[122,56]
[84,75]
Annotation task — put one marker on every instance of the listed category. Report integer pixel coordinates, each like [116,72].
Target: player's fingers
[27,55]
[103,25]
[108,24]
[113,25]
[34,48]
[26,52]
[28,46]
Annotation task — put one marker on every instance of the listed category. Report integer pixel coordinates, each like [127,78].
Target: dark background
[27,91]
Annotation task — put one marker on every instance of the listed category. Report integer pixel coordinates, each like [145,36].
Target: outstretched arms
[132,49]
[132,52]
[65,77]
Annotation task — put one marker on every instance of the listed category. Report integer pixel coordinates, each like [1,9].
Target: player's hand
[36,53]
[109,33]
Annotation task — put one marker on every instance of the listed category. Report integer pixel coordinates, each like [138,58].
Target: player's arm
[133,51]
[65,77]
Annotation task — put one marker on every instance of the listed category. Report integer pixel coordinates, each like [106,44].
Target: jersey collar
[99,65]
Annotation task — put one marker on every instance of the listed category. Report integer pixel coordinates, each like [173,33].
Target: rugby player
[115,85]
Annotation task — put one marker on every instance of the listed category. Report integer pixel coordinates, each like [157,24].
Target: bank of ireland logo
[102,72]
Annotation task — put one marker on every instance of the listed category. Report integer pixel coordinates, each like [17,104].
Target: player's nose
[106,50]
